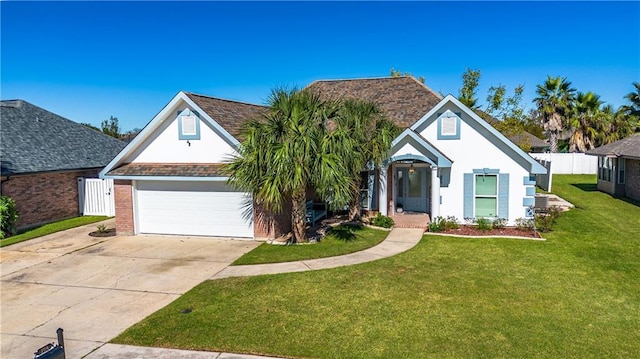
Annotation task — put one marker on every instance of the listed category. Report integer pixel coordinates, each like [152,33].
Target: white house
[446,162]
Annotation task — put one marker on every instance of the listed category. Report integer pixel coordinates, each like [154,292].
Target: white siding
[165,147]
[474,151]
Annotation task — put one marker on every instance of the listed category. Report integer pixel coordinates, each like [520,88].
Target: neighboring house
[447,161]
[523,139]
[42,156]
[619,167]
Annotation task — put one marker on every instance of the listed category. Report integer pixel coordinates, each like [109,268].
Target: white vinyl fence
[570,163]
[95,197]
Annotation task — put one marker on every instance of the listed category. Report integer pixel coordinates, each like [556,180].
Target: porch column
[435,192]
[382,199]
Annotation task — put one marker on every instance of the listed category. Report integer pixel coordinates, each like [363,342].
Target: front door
[411,187]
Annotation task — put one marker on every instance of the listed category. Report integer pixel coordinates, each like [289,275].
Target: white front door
[411,187]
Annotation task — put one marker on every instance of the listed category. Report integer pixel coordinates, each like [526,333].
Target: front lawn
[575,295]
[51,228]
[341,240]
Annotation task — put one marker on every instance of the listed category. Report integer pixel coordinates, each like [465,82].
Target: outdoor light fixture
[411,169]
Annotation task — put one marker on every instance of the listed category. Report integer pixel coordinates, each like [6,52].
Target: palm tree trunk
[553,141]
[298,216]
[354,205]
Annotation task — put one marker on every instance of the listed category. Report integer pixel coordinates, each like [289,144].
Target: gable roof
[231,115]
[403,99]
[626,147]
[490,132]
[33,139]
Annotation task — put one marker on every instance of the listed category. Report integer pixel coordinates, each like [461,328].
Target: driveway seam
[88,287]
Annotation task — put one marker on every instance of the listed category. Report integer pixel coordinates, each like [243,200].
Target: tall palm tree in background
[617,125]
[554,102]
[587,122]
[362,137]
[288,152]
[634,98]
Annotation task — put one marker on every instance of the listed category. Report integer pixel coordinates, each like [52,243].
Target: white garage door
[192,208]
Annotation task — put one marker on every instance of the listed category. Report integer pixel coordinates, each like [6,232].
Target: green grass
[51,228]
[575,295]
[342,240]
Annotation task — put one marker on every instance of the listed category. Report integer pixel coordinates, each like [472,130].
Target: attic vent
[449,126]
[188,125]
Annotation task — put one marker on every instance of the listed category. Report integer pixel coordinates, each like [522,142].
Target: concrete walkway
[399,240]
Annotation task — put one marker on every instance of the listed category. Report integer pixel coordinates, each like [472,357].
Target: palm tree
[362,136]
[287,152]
[634,98]
[554,101]
[587,122]
[618,124]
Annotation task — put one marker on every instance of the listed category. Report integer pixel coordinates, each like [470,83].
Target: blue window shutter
[503,195]
[468,195]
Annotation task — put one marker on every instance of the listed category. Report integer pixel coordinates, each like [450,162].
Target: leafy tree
[506,107]
[470,80]
[554,102]
[361,136]
[288,151]
[586,121]
[111,127]
[396,73]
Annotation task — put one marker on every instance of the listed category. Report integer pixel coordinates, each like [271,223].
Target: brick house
[619,167]
[42,156]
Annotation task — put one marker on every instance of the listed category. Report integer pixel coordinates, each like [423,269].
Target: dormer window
[188,125]
[449,126]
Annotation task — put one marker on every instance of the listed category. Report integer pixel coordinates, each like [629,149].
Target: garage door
[192,208]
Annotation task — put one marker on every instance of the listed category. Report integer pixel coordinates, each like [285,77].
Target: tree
[634,98]
[288,151]
[554,102]
[90,126]
[586,121]
[617,124]
[470,80]
[361,136]
[111,127]
[396,73]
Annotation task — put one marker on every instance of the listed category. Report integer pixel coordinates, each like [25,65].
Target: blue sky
[87,61]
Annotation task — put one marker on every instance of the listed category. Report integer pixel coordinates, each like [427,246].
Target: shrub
[440,224]
[525,224]
[102,228]
[499,223]
[483,224]
[8,216]
[545,222]
[382,221]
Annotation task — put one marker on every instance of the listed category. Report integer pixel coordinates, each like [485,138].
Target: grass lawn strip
[343,240]
[575,295]
[51,228]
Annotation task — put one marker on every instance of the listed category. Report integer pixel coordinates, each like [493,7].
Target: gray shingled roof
[33,139]
[231,115]
[626,147]
[403,99]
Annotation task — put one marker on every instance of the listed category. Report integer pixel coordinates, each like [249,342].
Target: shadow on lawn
[346,232]
[586,187]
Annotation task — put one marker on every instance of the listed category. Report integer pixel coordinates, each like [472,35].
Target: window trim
[180,118]
[449,114]
[476,195]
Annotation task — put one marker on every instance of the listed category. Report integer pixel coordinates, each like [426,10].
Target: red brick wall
[45,197]
[124,207]
[269,226]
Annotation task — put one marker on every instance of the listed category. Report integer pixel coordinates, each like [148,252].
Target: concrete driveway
[94,288]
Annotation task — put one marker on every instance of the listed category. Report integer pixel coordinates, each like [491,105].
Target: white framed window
[486,195]
[449,126]
[188,125]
